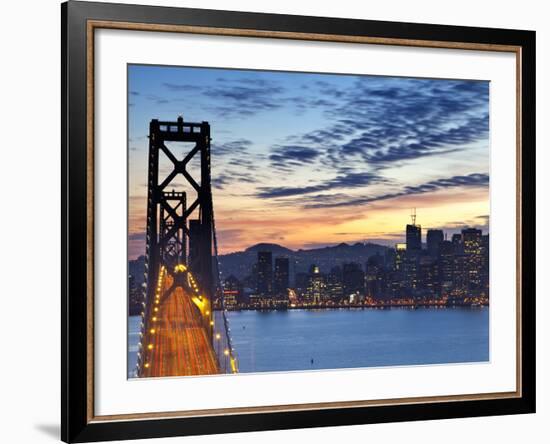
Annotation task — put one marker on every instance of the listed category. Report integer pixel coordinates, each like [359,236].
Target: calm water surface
[289,340]
[347,338]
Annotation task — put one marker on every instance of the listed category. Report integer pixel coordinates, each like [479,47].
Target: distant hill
[274,248]
[240,263]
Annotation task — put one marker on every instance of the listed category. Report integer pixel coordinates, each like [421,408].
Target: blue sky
[307,159]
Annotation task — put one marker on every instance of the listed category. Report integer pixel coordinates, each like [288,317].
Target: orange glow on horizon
[380,221]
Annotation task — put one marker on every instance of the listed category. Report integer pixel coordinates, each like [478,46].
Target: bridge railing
[223,347]
[222,343]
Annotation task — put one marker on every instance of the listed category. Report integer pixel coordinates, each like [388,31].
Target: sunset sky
[306,160]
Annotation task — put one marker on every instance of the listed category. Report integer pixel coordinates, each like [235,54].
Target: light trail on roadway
[177,342]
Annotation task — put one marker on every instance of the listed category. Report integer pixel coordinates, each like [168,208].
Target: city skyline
[309,160]
[441,271]
[445,272]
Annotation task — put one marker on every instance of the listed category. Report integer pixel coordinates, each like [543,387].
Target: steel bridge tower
[168,233]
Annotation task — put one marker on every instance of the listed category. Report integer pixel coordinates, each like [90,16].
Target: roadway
[177,343]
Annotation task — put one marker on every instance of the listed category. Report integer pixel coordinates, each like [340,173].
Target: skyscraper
[410,270]
[300,283]
[375,283]
[457,239]
[316,285]
[446,267]
[472,241]
[434,238]
[414,237]
[399,256]
[334,284]
[281,276]
[353,279]
[428,276]
[265,273]
[396,277]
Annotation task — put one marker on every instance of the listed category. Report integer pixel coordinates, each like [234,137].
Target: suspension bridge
[184,329]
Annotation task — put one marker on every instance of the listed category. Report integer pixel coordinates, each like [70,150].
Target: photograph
[286,221]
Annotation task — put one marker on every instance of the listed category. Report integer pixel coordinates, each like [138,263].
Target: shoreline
[358,307]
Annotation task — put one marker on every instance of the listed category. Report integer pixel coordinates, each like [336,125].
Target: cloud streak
[384,122]
[471,180]
[352,180]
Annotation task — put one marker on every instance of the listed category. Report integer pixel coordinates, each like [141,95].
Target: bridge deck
[181,344]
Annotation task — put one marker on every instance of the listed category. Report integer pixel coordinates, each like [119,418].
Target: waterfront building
[375,283]
[316,286]
[256,301]
[281,276]
[353,279]
[265,273]
[232,292]
[335,289]
[300,284]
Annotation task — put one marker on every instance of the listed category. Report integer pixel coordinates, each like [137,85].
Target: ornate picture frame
[80,23]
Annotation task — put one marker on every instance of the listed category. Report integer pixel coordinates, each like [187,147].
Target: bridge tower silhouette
[181,333]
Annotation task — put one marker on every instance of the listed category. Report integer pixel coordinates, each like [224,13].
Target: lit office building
[316,286]
[281,276]
[335,290]
[472,241]
[232,292]
[410,271]
[400,250]
[446,267]
[375,283]
[265,273]
[428,276]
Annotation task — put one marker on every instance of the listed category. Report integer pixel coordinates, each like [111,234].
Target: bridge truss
[184,329]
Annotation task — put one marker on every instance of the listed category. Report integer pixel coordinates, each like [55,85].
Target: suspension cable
[220,288]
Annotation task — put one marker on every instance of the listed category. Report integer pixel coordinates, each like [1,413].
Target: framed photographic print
[276,221]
